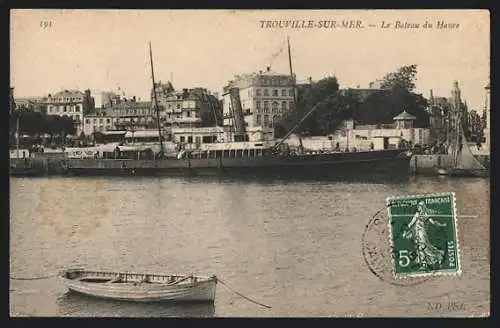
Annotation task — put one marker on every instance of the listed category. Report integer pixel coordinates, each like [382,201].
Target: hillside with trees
[396,94]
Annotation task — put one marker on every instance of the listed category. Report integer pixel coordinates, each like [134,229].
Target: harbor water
[295,246]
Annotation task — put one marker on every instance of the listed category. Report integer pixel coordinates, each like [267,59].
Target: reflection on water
[295,246]
[78,305]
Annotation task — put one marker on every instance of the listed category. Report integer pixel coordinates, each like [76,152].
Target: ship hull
[320,166]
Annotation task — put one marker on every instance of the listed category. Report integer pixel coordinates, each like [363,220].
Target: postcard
[249,163]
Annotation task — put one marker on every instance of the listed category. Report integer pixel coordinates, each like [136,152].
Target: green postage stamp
[423,233]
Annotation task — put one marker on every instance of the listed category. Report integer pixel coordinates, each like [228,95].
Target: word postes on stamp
[423,235]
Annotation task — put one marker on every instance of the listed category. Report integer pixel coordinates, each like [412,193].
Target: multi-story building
[69,103]
[265,97]
[32,104]
[129,114]
[109,99]
[102,120]
[187,108]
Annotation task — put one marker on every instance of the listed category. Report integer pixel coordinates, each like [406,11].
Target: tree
[331,109]
[404,77]
[396,95]
[475,131]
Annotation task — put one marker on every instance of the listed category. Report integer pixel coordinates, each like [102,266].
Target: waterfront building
[108,99]
[69,103]
[31,104]
[364,137]
[187,107]
[129,114]
[265,98]
[102,120]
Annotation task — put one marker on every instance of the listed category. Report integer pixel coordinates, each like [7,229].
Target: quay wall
[430,164]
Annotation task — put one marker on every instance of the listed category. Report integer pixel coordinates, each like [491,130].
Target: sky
[53,50]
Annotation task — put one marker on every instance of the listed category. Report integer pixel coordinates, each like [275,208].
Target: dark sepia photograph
[249,163]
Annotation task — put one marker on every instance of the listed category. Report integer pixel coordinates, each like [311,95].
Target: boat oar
[241,295]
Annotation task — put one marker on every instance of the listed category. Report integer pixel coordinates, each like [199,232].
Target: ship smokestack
[239,118]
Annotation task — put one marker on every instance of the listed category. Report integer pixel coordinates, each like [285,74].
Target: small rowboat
[140,287]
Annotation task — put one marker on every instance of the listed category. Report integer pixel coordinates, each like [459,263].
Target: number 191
[45,23]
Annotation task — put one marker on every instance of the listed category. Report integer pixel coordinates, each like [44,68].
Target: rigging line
[33,278]
[241,295]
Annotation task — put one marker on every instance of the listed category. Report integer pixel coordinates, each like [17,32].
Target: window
[252,152]
[190,139]
[100,121]
[87,121]
[239,153]
[182,139]
[283,105]
[266,92]
[258,93]
[198,140]
[266,120]
[258,104]
[65,109]
[94,120]
[188,114]
[283,93]
[266,105]
[258,122]
[290,92]
[275,106]
[275,93]
[108,120]
[178,106]
[225,153]
[291,105]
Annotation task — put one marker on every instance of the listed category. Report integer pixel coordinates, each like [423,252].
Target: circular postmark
[378,254]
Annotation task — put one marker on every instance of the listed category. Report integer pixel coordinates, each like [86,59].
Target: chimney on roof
[268,68]
[260,72]
[310,80]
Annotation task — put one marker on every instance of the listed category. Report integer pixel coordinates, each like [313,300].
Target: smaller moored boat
[140,287]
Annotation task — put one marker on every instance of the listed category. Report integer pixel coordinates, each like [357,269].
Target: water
[295,246]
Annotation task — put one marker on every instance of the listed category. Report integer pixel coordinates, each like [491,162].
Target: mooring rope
[241,295]
[33,278]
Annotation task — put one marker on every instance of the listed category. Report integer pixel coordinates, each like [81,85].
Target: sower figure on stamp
[427,255]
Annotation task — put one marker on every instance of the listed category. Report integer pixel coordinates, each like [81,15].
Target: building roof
[404,116]
[269,72]
[142,134]
[68,93]
[131,104]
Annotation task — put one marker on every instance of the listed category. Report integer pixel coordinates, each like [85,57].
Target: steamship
[238,156]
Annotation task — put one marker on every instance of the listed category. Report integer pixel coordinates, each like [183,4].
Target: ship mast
[156,100]
[294,95]
[291,73]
